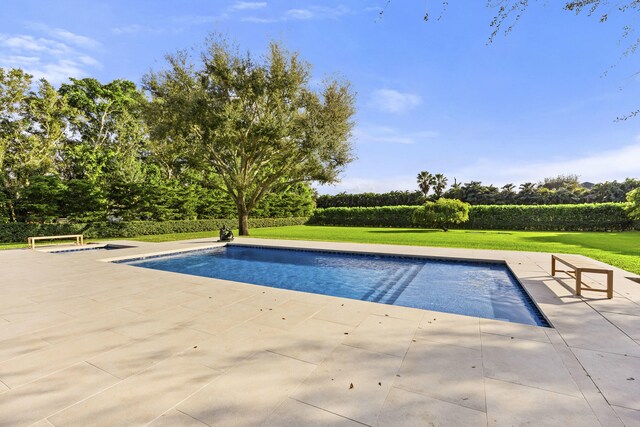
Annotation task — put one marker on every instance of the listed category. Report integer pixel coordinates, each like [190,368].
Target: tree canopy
[257,124]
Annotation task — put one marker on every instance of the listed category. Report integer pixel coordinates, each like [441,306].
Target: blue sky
[430,96]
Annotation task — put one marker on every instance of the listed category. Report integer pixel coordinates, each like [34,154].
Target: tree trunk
[243,223]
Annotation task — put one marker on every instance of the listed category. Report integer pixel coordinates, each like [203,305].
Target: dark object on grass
[226,235]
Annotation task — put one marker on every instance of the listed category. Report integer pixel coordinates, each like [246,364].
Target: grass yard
[619,249]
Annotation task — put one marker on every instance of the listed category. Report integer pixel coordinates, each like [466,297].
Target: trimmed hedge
[18,232]
[583,217]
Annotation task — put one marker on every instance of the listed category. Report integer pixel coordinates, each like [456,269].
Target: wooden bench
[579,266]
[31,241]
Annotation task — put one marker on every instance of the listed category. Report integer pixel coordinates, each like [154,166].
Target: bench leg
[553,266]
[578,282]
[609,284]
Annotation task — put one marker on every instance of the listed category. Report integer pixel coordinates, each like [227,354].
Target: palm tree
[527,194]
[508,193]
[439,184]
[425,180]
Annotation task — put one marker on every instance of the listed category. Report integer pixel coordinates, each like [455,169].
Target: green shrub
[383,216]
[583,217]
[18,232]
[633,208]
[441,214]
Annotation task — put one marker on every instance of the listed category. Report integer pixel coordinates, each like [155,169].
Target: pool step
[391,288]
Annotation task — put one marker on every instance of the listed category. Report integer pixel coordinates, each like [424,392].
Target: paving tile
[616,305]
[220,320]
[445,372]
[215,298]
[248,393]
[147,305]
[233,346]
[268,299]
[37,364]
[345,313]
[139,399]
[86,326]
[130,359]
[591,393]
[531,363]
[511,404]
[42,423]
[418,410]
[617,376]
[582,327]
[630,325]
[383,334]
[287,315]
[43,319]
[451,329]
[310,341]
[516,330]
[294,413]
[143,326]
[20,346]
[46,396]
[329,387]
[630,417]
[175,418]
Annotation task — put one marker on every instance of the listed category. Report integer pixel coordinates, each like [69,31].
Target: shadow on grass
[404,231]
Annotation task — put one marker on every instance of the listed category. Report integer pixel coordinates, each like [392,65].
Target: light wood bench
[580,266]
[31,241]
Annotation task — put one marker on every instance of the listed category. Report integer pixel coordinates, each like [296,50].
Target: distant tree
[508,193]
[442,213]
[258,125]
[570,182]
[425,181]
[527,194]
[439,185]
[633,207]
[472,192]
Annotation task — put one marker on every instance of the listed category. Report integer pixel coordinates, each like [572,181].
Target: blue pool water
[475,289]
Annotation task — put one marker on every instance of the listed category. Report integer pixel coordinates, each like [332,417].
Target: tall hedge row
[585,217]
[18,232]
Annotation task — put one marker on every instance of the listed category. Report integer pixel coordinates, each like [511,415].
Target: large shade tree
[256,123]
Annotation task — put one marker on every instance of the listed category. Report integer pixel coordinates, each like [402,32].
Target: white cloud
[615,164]
[56,57]
[136,29]
[65,35]
[258,20]
[299,14]
[248,5]
[302,14]
[384,134]
[393,101]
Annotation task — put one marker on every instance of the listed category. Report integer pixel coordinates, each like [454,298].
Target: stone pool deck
[85,342]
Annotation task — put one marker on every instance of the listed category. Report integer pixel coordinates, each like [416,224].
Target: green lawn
[619,249]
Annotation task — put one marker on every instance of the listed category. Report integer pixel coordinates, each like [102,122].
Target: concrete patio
[86,342]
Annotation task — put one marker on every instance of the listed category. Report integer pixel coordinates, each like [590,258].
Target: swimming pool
[486,290]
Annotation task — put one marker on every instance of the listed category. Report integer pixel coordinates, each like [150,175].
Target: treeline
[559,190]
[584,217]
[83,152]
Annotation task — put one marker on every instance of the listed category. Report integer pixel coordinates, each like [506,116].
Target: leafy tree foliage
[442,213]
[82,153]
[256,124]
[633,208]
